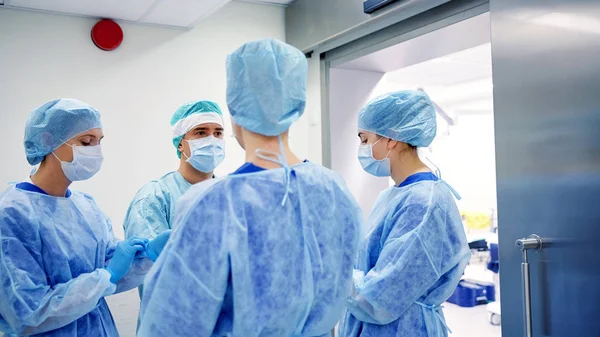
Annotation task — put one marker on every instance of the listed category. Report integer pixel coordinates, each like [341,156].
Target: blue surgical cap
[266,86]
[54,123]
[192,114]
[405,116]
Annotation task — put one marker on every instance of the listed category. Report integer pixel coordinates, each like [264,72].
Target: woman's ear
[392,143]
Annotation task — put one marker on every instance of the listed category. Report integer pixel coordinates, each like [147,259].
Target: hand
[123,257]
[155,247]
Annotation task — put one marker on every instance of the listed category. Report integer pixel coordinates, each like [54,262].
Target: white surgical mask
[206,153]
[378,168]
[87,161]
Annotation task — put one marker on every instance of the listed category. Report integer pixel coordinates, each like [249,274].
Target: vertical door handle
[533,242]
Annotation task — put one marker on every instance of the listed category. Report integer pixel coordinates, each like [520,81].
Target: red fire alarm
[107,35]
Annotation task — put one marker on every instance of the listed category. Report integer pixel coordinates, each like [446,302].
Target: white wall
[348,92]
[136,87]
[466,157]
[311,121]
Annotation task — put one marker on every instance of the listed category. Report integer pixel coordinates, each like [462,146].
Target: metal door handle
[532,242]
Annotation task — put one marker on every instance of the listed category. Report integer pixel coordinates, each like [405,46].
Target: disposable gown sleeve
[402,274]
[140,267]
[146,217]
[27,302]
[185,291]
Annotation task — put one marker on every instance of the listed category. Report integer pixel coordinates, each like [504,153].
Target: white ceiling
[173,13]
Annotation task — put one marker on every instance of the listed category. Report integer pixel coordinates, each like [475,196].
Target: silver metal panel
[314,23]
[441,42]
[546,70]
[430,21]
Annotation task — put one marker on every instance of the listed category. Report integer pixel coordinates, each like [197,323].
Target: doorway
[453,65]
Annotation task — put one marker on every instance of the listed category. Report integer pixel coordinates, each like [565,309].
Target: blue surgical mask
[87,161]
[378,168]
[206,153]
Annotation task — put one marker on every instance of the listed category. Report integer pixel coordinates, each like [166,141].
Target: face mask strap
[281,160]
[372,145]
[190,146]
[55,156]
[64,143]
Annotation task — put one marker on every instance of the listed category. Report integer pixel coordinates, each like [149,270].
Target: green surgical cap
[192,114]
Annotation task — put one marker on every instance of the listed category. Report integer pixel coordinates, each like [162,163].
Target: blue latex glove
[155,247]
[123,257]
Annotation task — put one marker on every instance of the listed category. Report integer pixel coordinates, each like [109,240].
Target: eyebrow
[204,128]
[90,135]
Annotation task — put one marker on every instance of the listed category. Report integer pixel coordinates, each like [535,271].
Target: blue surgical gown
[409,264]
[53,252]
[239,263]
[153,208]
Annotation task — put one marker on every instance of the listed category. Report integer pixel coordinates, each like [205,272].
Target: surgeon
[416,252]
[59,257]
[198,137]
[268,250]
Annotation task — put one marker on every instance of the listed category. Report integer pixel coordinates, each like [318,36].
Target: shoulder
[155,190]
[78,195]
[15,201]
[314,173]
[18,213]
[198,192]
[426,200]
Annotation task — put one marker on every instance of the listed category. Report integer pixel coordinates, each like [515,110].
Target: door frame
[429,21]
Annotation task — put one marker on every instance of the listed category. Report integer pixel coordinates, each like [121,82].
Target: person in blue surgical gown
[198,137]
[416,251]
[59,257]
[267,251]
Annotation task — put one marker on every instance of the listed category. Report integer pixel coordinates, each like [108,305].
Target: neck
[50,178]
[253,142]
[405,165]
[190,174]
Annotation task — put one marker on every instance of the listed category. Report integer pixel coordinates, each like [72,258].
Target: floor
[124,308]
[474,322]
[470,322]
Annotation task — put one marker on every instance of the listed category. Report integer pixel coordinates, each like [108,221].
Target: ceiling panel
[130,10]
[169,12]
[173,13]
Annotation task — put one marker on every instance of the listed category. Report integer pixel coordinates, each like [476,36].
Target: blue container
[494,265]
[494,252]
[469,294]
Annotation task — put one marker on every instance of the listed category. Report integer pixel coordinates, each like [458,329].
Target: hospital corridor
[299,168]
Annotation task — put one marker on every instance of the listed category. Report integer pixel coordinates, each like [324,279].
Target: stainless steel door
[546,66]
